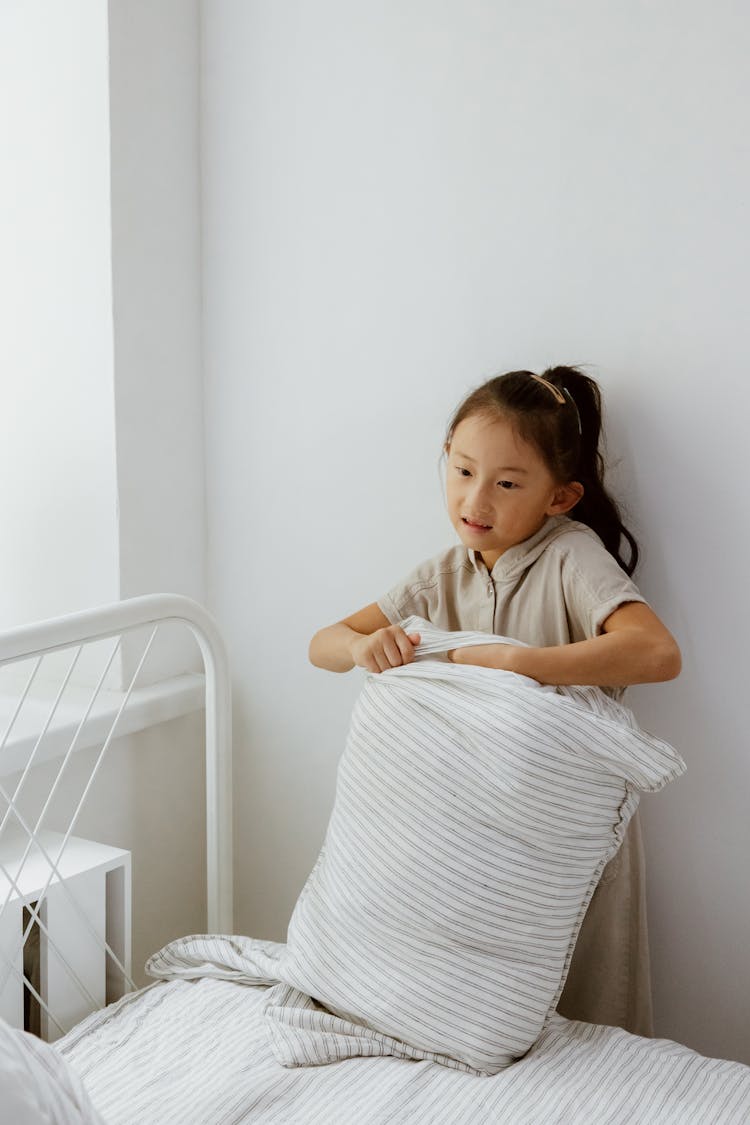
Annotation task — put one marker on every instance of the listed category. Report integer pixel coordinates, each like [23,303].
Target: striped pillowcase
[474,813]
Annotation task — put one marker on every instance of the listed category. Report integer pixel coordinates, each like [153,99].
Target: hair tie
[550,386]
[560,396]
[572,402]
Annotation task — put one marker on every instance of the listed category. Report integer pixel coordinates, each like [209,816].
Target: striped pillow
[474,813]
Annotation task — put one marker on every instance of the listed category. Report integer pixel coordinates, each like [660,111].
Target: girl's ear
[565,497]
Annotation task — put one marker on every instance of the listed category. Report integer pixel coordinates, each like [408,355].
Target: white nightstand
[98,878]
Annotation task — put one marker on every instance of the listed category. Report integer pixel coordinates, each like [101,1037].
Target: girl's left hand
[502,657]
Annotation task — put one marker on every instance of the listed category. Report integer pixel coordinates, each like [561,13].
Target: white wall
[153,790]
[154,107]
[57,463]
[101,431]
[101,448]
[399,201]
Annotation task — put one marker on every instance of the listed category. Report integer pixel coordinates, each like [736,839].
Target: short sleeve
[594,583]
[428,591]
[410,596]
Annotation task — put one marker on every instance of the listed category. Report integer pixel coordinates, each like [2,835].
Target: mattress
[197,1051]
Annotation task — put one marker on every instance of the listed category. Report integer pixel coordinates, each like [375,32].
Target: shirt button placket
[490,614]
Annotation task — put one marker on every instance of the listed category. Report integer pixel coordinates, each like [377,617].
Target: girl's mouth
[475,526]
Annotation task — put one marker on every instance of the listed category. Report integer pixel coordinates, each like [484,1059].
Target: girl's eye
[506,484]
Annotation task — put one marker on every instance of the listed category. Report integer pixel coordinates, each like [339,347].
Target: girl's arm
[366,639]
[635,648]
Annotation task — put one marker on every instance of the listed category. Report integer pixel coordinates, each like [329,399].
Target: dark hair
[567,435]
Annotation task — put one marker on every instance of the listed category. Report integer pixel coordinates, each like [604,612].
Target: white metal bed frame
[75,631]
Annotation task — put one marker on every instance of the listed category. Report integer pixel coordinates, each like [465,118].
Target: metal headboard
[75,631]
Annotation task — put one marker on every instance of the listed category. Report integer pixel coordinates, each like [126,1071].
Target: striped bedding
[37,1087]
[197,1052]
[396,934]
[475,811]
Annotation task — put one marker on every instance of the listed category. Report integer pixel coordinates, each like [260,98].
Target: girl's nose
[480,492]
[479,497]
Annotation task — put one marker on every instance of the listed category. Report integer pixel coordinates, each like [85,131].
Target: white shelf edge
[147,707]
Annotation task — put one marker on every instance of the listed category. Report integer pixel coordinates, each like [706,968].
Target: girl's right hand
[385,648]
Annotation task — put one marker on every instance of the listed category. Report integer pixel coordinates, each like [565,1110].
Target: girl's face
[499,490]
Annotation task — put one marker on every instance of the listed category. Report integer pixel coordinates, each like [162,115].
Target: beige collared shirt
[557,587]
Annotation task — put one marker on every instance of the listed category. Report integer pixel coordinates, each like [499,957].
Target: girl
[522,455]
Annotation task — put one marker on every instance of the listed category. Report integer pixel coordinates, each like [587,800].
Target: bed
[194,1045]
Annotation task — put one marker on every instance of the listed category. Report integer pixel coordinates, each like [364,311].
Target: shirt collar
[473,556]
